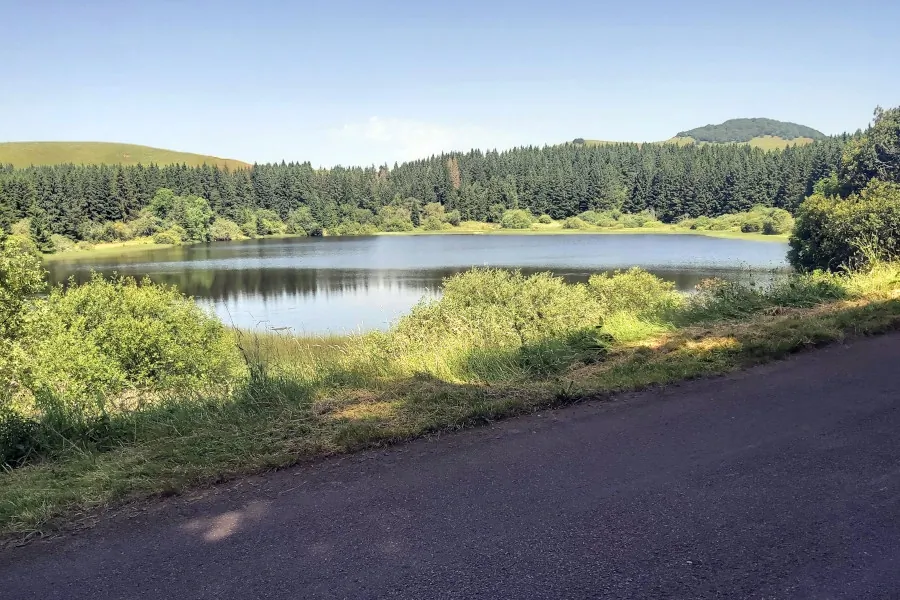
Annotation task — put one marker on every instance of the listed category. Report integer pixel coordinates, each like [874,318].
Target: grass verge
[311,398]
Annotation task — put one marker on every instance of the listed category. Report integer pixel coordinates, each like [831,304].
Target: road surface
[779,482]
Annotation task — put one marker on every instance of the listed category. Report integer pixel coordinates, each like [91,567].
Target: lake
[340,285]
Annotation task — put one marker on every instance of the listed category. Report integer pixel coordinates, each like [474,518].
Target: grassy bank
[557,228]
[147,244]
[138,245]
[109,249]
[497,344]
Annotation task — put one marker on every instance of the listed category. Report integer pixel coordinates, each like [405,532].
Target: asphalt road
[780,482]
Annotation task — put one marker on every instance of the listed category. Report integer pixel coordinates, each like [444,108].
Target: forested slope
[673,181]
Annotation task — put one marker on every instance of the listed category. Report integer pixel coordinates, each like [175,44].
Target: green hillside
[746,130]
[766,142]
[24,154]
[767,134]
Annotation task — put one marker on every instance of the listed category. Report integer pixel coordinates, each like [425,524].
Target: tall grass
[496,343]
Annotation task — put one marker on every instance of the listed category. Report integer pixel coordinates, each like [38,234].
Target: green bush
[348,228]
[832,233]
[516,219]
[454,218]
[21,278]
[630,222]
[483,320]
[300,221]
[545,219]
[599,219]
[268,223]
[194,216]
[575,223]
[395,218]
[397,225]
[495,213]
[84,245]
[81,355]
[172,236]
[722,223]
[248,224]
[434,210]
[634,291]
[146,224]
[21,228]
[589,216]
[110,231]
[61,243]
[162,203]
[432,224]
[778,222]
[223,230]
[752,223]
[701,223]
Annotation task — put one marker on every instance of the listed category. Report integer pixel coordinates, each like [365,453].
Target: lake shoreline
[341,284]
[147,244]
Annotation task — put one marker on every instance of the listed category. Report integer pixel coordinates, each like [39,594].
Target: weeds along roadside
[497,343]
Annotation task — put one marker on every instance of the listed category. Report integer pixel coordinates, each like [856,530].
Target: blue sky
[339,82]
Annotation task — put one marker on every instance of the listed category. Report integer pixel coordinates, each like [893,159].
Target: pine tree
[40,229]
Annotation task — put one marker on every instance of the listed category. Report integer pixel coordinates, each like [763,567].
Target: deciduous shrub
[752,224]
[778,222]
[832,232]
[268,223]
[545,219]
[395,219]
[170,236]
[454,218]
[81,352]
[223,230]
[61,243]
[300,221]
[575,223]
[353,228]
[432,224]
[21,277]
[516,219]
[146,224]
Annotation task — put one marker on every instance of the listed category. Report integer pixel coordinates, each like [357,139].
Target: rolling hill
[24,154]
[767,134]
[745,130]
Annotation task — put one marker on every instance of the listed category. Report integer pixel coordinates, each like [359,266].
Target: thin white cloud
[388,139]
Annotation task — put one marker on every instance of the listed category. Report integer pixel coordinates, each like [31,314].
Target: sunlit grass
[447,366]
[25,154]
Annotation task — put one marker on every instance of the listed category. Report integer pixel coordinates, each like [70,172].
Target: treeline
[674,182]
[744,130]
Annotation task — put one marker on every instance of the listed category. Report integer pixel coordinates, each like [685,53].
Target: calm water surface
[318,285]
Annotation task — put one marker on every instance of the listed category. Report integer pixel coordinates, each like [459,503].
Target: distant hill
[767,134]
[746,130]
[24,154]
[766,142]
